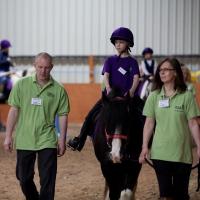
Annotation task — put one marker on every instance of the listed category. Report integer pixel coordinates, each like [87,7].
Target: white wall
[83,27]
[78,71]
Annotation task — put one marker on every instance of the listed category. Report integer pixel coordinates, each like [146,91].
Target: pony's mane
[114,112]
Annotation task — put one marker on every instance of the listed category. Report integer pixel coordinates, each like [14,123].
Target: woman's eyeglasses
[165,70]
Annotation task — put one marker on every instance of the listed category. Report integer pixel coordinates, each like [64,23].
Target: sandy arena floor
[79,176]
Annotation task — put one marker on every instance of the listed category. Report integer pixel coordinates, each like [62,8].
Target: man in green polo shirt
[35,101]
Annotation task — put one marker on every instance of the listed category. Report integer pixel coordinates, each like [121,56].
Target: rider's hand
[8,144]
[8,59]
[108,90]
[151,78]
[131,93]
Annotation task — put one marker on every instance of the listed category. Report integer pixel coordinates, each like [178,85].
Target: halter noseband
[115,136]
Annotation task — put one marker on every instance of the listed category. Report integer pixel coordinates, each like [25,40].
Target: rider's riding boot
[77,143]
[73,143]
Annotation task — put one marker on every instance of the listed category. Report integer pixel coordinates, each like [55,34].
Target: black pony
[117,143]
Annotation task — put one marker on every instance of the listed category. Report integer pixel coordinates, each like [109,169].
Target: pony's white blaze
[126,195]
[115,152]
[116,146]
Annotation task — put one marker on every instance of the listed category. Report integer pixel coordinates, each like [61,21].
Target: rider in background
[187,79]
[147,71]
[5,64]
[147,67]
[119,71]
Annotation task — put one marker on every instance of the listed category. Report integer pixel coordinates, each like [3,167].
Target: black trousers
[173,179]
[47,167]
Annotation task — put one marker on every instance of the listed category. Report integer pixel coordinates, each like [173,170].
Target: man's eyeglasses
[165,70]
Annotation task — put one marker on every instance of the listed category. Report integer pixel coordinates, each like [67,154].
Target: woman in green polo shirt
[175,112]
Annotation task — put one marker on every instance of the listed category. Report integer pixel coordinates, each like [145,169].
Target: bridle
[114,136]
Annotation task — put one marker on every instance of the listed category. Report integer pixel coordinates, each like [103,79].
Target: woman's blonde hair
[186,73]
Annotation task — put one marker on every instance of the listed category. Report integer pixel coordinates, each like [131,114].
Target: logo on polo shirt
[179,108]
[49,94]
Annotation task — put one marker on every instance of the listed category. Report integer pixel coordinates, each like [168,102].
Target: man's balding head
[45,56]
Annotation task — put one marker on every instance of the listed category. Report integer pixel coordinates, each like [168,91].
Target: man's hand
[11,121]
[198,152]
[61,148]
[8,144]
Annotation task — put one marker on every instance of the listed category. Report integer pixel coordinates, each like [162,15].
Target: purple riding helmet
[147,50]
[4,44]
[122,33]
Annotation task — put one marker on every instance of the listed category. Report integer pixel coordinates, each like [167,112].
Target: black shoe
[73,143]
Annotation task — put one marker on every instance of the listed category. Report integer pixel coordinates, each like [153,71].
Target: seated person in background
[147,71]
[148,65]
[187,78]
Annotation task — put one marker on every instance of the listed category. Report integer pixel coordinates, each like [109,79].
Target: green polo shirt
[172,137]
[38,106]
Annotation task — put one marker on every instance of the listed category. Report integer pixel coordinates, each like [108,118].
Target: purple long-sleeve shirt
[121,72]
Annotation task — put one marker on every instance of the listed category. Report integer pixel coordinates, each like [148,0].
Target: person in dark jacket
[5,64]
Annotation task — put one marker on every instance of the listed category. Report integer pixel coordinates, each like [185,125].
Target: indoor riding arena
[79,175]
[79,37]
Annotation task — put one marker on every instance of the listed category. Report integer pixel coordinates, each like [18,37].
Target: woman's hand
[143,155]
[194,129]
[8,144]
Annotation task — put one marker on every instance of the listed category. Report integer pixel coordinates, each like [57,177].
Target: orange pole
[91,67]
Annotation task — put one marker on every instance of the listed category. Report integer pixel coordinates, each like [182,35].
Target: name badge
[36,101]
[164,103]
[122,71]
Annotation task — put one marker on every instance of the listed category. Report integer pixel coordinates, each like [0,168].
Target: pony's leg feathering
[106,197]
